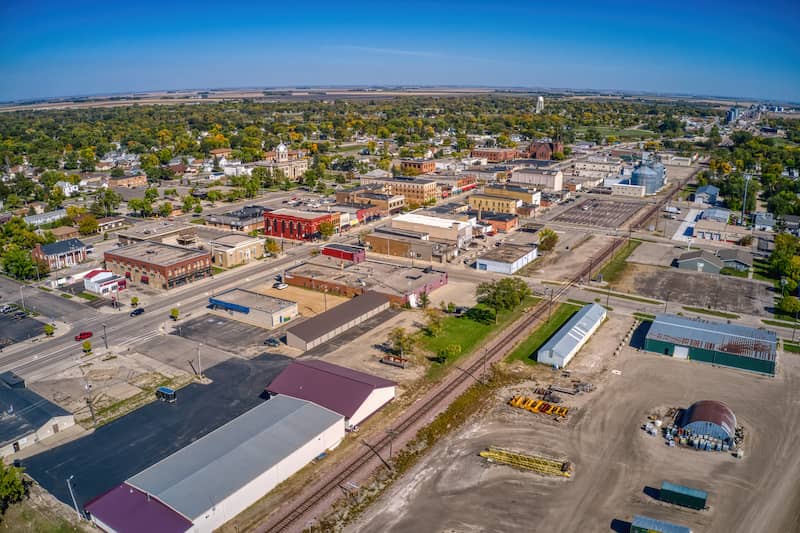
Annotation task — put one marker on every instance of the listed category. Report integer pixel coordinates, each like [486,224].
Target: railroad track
[501,346]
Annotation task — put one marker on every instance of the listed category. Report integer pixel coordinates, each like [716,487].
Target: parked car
[280,286]
[83,335]
[137,312]
[6,309]
[20,314]
[274,343]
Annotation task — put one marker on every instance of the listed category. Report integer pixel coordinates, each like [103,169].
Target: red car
[83,335]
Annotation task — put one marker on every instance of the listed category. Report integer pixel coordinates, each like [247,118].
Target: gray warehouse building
[562,347]
[325,326]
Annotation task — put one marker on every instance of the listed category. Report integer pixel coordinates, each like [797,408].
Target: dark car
[20,314]
[83,335]
[137,312]
[274,343]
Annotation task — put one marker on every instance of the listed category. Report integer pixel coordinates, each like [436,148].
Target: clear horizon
[87,48]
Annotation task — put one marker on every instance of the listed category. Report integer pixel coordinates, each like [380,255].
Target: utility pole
[744,199]
[105,336]
[72,494]
[392,434]
[199,364]
[21,297]
[794,325]
[550,307]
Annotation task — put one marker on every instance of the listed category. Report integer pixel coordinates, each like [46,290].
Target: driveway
[126,446]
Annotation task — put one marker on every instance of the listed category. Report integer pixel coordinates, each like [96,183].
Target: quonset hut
[708,417]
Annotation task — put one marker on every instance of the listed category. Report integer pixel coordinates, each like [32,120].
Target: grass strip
[790,347]
[616,266]
[625,296]
[645,317]
[712,312]
[525,350]
[87,296]
[779,323]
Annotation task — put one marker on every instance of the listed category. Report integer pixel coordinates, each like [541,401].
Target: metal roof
[682,489]
[337,388]
[128,510]
[62,247]
[703,255]
[316,327]
[206,472]
[717,336]
[574,331]
[651,524]
[710,411]
[22,412]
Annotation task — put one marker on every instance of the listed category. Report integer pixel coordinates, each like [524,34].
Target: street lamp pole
[105,336]
[72,494]
[21,297]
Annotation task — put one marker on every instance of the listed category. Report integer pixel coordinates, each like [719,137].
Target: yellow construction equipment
[537,463]
[537,406]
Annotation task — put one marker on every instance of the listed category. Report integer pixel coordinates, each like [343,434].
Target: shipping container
[643,524]
[682,495]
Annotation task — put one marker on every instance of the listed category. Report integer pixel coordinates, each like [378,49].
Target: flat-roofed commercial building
[397,243]
[417,166]
[157,265]
[436,228]
[236,249]
[524,194]
[495,155]
[506,259]
[494,204]
[163,231]
[325,326]
[419,191]
[296,224]
[551,180]
[253,308]
[248,218]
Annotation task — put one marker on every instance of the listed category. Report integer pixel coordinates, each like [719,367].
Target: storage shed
[217,477]
[644,524]
[327,325]
[683,496]
[713,342]
[562,347]
[354,395]
[712,418]
[253,307]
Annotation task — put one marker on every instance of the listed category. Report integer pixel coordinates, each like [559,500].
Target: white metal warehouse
[218,476]
[562,347]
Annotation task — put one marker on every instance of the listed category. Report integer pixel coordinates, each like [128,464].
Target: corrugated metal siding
[741,362]
[682,495]
[574,331]
[644,524]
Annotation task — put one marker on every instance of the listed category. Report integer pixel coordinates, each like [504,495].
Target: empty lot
[453,489]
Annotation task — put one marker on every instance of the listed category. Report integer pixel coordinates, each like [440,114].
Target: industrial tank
[649,173]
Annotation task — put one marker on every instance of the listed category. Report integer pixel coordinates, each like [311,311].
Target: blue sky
[58,48]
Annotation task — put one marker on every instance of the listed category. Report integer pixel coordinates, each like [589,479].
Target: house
[707,194]
[717,214]
[764,222]
[60,254]
[737,259]
[63,233]
[27,417]
[352,394]
[67,188]
[791,223]
[700,261]
[45,218]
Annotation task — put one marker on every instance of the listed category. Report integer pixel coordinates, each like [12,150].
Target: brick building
[157,265]
[128,182]
[372,195]
[495,155]
[545,150]
[248,218]
[494,204]
[295,224]
[60,254]
[417,191]
[236,249]
[417,166]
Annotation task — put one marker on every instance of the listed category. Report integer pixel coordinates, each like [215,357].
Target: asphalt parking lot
[600,212]
[223,333]
[352,334]
[122,448]
[12,330]
[46,303]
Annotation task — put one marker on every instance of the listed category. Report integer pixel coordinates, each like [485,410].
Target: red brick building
[545,150]
[495,155]
[417,166]
[158,265]
[295,224]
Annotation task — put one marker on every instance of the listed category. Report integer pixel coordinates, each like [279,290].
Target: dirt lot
[657,254]
[309,303]
[458,292]
[564,262]
[600,212]
[453,489]
[697,289]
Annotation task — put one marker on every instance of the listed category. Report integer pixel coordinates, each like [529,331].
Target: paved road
[45,303]
[132,443]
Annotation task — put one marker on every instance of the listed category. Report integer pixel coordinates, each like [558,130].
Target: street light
[72,494]
[105,336]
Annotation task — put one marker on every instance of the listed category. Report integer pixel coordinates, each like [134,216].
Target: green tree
[134,301]
[12,485]
[117,172]
[401,341]
[49,330]
[448,352]
[165,209]
[789,305]
[174,313]
[424,300]
[105,202]
[214,196]
[434,321]
[55,198]
[326,230]
[141,205]
[18,263]
[87,347]
[547,239]
[271,246]
[503,294]
[151,194]
[88,224]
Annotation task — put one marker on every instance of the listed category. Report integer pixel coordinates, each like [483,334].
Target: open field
[453,489]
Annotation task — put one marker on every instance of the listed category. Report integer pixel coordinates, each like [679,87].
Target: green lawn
[621,133]
[217,270]
[526,349]
[467,333]
[582,303]
[87,296]
[198,221]
[712,312]
[645,317]
[761,271]
[65,295]
[791,347]
[778,323]
[728,271]
[614,268]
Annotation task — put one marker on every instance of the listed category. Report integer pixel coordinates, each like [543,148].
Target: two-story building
[60,254]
